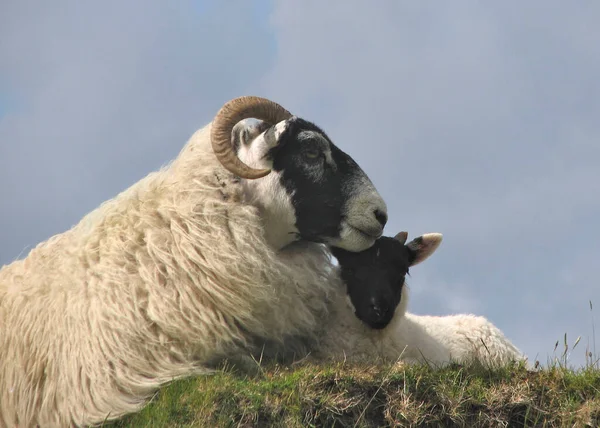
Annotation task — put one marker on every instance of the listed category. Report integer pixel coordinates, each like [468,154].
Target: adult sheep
[375,280]
[181,268]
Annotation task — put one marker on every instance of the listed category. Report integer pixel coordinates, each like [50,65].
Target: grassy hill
[348,395]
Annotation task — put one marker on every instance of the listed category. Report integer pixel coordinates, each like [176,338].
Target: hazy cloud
[476,120]
[110,92]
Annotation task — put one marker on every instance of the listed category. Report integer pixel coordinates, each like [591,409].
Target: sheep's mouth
[366,234]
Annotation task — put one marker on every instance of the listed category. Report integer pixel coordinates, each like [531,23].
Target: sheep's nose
[381,217]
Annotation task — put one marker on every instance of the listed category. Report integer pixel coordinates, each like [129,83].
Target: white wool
[172,273]
[410,338]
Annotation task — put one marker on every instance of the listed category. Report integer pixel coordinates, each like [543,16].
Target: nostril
[376,309]
[381,217]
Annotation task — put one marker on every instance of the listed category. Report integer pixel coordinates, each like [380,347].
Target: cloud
[431,295]
[109,93]
[477,120]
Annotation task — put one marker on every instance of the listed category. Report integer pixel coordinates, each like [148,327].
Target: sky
[478,120]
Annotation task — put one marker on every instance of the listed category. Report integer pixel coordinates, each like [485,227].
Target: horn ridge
[228,116]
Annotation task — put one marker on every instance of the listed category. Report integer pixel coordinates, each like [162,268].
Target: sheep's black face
[374,279]
[315,191]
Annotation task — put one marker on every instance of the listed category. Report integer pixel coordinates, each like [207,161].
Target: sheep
[375,284]
[183,267]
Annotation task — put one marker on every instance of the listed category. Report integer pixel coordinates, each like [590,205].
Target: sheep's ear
[401,237]
[245,131]
[424,246]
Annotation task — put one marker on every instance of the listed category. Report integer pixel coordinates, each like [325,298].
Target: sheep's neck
[276,210]
[277,230]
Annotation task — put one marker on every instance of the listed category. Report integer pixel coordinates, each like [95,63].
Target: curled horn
[228,116]
[401,237]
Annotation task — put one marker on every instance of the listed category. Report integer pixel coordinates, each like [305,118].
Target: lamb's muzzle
[228,116]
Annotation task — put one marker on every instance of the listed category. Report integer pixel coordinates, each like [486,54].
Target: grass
[358,395]
[348,395]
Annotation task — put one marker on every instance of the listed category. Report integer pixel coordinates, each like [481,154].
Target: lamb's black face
[319,192]
[374,279]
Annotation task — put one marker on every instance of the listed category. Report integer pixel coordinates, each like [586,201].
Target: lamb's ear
[424,246]
[401,237]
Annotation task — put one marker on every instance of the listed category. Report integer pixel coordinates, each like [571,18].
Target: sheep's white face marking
[267,193]
[279,129]
[315,191]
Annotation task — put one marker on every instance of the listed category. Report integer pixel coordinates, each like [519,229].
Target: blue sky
[476,120]
[7,103]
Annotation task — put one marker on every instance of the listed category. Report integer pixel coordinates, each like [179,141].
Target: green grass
[347,395]
[380,395]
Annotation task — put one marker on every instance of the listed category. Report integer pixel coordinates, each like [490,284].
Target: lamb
[182,268]
[342,334]
[375,283]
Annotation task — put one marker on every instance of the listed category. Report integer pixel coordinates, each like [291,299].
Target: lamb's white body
[373,322]
[410,338]
[188,275]
[375,278]
[462,338]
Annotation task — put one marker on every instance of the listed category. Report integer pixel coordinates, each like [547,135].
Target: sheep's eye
[312,153]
